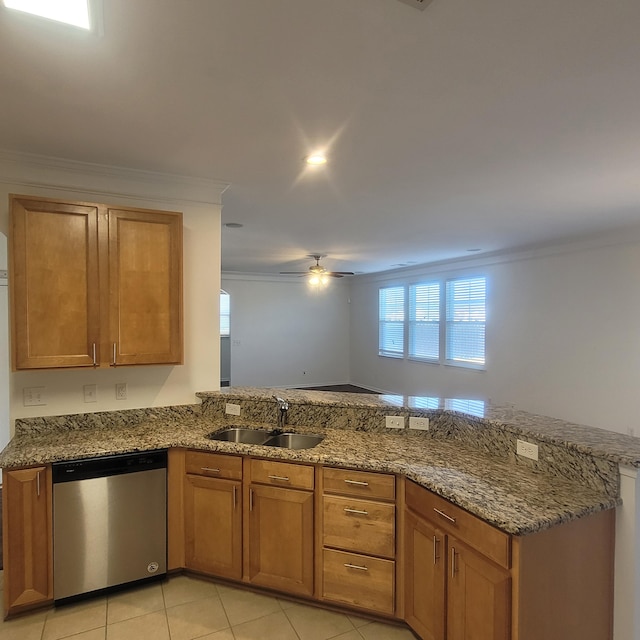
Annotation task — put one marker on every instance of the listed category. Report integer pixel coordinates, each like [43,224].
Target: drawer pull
[358,482]
[210,470]
[356,566]
[453,562]
[250,499]
[279,478]
[436,542]
[235,498]
[444,515]
[359,512]
[38,483]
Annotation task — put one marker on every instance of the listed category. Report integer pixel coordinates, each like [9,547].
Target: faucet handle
[282,403]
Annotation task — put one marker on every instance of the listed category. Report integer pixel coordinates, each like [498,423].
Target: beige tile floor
[184,608]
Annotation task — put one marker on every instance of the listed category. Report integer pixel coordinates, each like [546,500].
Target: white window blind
[391,322]
[225,316]
[466,318]
[424,321]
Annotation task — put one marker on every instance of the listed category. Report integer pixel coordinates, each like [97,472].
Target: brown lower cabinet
[27,537]
[280,526]
[213,514]
[466,580]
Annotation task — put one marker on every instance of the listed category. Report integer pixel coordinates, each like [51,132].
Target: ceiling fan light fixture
[316,159]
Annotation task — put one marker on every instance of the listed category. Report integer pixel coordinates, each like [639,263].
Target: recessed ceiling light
[316,158]
[233,225]
[73,12]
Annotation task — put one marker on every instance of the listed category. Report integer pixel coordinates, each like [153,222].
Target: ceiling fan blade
[340,273]
[294,273]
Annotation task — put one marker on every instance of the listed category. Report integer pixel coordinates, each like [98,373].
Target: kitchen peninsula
[496,505]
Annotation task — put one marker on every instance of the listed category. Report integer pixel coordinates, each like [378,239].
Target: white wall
[563,334]
[282,334]
[199,200]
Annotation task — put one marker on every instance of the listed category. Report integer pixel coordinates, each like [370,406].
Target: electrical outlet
[419,423]
[121,391]
[394,422]
[527,449]
[232,409]
[34,396]
[90,392]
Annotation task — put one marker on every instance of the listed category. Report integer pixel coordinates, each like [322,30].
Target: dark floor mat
[340,388]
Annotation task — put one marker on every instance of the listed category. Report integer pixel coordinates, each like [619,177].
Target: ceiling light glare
[73,12]
[316,159]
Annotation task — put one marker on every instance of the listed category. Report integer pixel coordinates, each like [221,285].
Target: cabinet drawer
[364,526]
[357,580]
[282,474]
[362,484]
[483,537]
[214,465]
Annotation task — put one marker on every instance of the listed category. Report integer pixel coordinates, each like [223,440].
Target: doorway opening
[225,339]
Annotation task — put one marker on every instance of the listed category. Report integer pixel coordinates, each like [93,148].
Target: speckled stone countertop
[518,499]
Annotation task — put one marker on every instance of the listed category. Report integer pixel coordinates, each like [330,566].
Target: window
[391,322]
[424,321]
[73,12]
[225,317]
[466,320]
[447,328]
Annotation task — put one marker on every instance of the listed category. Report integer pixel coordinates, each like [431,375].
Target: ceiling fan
[317,270]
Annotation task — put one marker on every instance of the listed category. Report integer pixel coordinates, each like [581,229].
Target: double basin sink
[266,438]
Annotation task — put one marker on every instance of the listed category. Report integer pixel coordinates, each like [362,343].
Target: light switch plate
[90,392]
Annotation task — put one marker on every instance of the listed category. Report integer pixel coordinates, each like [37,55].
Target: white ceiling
[471,125]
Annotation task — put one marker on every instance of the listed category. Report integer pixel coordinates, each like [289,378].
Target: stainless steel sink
[241,434]
[246,435]
[294,441]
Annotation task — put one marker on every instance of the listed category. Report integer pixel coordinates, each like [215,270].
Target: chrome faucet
[283,407]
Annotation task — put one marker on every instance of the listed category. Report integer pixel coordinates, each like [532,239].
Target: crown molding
[466,264]
[36,171]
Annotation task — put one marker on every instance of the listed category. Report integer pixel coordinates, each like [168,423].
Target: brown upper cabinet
[93,285]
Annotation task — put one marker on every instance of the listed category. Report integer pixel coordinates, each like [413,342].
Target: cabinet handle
[93,352]
[444,515]
[280,478]
[114,363]
[235,501]
[250,499]
[436,543]
[356,566]
[357,511]
[358,482]
[210,469]
[453,562]
[38,483]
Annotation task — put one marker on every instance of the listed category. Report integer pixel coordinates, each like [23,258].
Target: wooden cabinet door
[281,538]
[479,596]
[54,284]
[425,568]
[145,287]
[213,526]
[27,537]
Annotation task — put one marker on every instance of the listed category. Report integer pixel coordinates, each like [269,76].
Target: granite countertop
[515,499]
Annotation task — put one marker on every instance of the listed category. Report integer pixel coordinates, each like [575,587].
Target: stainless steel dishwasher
[109,522]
